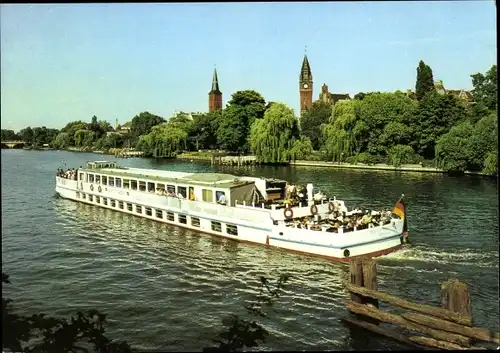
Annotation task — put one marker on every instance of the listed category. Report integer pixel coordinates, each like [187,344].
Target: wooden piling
[455,297]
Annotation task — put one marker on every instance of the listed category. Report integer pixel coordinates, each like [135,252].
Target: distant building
[120,129]
[463,96]
[332,98]
[215,95]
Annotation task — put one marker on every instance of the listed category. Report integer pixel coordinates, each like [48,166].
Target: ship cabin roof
[197,179]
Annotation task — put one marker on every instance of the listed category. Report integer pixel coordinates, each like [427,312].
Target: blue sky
[61,63]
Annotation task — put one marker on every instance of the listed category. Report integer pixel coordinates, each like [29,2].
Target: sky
[67,62]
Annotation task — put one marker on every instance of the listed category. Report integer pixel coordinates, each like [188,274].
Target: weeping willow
[273,137]
[163,141]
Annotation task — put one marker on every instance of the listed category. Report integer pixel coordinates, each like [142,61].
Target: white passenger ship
[241,208]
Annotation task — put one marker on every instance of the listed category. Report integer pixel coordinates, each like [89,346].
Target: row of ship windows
[231,229]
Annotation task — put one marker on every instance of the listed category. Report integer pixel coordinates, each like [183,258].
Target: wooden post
[356,272]
[455,297]
[370,279]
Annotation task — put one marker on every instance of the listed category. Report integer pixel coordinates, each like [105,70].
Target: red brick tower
[215,95]
[305,86]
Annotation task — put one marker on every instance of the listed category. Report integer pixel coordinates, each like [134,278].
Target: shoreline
[300,163]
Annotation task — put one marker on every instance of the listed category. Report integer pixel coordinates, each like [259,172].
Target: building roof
[305,71]
[215,84]
[197,179]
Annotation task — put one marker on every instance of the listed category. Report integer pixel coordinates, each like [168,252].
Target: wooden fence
[448,327]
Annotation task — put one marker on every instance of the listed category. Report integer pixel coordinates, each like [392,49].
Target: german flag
[400,209]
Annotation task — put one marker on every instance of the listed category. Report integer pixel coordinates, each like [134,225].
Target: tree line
[430,127]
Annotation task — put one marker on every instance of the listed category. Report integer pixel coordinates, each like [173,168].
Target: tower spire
[215,82]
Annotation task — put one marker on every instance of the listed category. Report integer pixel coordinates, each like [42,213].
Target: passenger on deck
[222,199]
[191,195]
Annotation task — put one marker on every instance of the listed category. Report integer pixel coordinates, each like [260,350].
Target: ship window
[207,195]
[77,194]
[104,180]
[191,194]
[183,191]
[126,183]
[216,226]
[142,186]
[81,176]
[159,214]
[221,197]
[133,184]
[120,204]
[84,196]
[104,201]
[91,178]
[170,216]
[113,203]
[118,182]
[160,186]
[97,199]
[151,187]
[111,181]
[138,209]
[149,212]
[91,198]
[231,229]
[195,222]
[171,189]
[129,207]
[97,179]
[182,219]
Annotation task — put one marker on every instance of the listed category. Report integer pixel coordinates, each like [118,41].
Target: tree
[360,96]
[141,124]
[72,127]
[234,125]
[61,141]
[485,88]
[164,140]
[312,121]
[338,136]
[273,138]
[204,130]
[9,135]
[425,80]
[452,149]
[483,141]
[437,114]
[401,154]
[26,135]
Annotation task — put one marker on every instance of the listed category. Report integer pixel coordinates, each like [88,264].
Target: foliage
[437,114]
[338,134]
[425,80]
[272,139]
[491,164]
[44,334]
[26,135]
[401,154]
[312,121]
[204,130]
[142,123]
[10,135]
[234,124]
[164,140]
[484,140]
[302,148]
[241,332]
[365,158]
[359,96]
[453,148]
[61,141]
[485,88]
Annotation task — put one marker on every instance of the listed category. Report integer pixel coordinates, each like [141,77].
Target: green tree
[234,124]
[9,135]
[273,138]
[312,121]
[485,88]
[61,141]
[141,124]
[483,141]
[453,148]
[425,80]
[339,138]
[360,96]
[26,135]
[491,164]
[437,114]
[204,130]
[164,140]
[401,154]
[72,127]
[302,148]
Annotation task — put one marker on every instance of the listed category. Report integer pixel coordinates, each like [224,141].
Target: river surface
[167,288]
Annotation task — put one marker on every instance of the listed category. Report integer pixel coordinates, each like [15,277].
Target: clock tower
[305,86]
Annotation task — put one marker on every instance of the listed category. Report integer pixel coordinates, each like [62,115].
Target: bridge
[13,144]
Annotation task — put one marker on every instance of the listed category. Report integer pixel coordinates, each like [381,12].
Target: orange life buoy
[91,187]
[331,206]
[314,210]
[288,213]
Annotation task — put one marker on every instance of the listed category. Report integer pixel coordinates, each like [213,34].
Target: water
[168,288]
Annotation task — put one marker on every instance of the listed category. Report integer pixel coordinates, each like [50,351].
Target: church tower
[305,86]
[215,95]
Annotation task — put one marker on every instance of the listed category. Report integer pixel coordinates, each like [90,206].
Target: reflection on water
[166,287]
